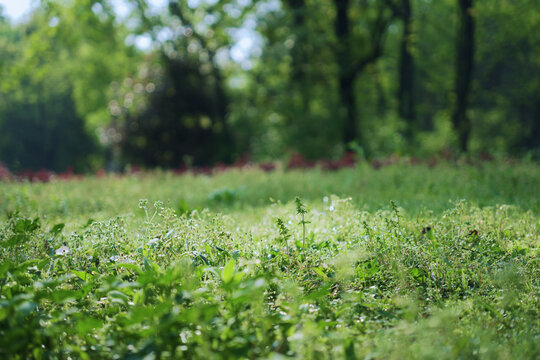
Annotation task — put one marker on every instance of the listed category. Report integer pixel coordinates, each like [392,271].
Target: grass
[400,262]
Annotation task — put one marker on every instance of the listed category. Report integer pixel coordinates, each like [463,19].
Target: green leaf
[86,325]
[26,308]
[88,223]
[62,295]
[57,229]
[319,271]
[82,275]
[118,296]
[228,272]
[149,266]
[26,225]
[319,293]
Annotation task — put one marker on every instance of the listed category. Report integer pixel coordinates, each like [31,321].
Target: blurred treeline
[219,79]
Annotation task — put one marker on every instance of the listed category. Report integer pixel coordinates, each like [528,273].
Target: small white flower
[63,250]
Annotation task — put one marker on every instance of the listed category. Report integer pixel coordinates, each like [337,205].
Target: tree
[464,72]
[185,119]
[300,59]
[507,61]
[181,122]
[405,95]
[39,123]
[354,53]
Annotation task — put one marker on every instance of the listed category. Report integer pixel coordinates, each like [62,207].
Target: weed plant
[404,263]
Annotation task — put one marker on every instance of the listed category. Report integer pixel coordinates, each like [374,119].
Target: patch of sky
[16,9]
[247,42]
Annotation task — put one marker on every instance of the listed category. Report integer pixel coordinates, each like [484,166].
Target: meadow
[397,262]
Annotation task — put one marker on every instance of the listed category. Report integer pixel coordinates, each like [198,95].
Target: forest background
[202,82]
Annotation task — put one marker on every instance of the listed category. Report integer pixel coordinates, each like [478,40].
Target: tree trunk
[406,72]
[532,141]
[464,70]
[346,94]
[346,74]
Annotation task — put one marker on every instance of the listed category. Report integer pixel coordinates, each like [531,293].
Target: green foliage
[225,195]
[385,279]
[300,207]
[302,211]
[54,84]
[284,234]
[76,91]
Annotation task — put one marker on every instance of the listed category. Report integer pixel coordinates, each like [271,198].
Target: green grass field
[396,263]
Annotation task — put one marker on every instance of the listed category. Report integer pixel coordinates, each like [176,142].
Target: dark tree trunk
[532,141]
[464,70]
[223,139]
[346,94]
[346,74]
[406,72]
[350,66]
